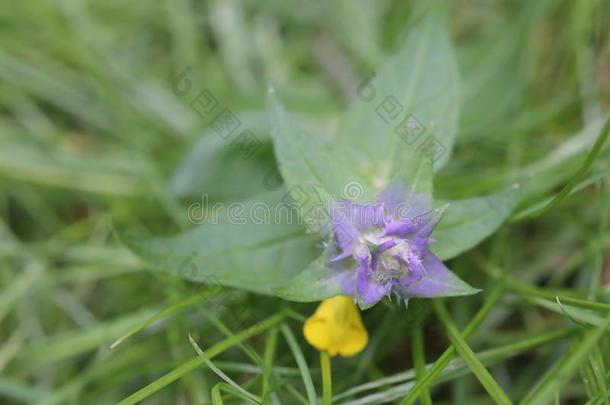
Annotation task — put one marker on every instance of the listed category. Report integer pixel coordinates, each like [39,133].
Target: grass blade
[478,369]
[597,147]
[222,375]
[168,311]
[450,353]
[270,347]
[419,359]
[565,368]
[301,363]
[192,364]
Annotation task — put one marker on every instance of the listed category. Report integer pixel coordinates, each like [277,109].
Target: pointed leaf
[439,281]
[257,245]
[213,157]
[313,174]
[467,222]
[409,108]
[315,283]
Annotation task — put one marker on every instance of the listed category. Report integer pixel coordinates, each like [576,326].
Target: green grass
[94,137]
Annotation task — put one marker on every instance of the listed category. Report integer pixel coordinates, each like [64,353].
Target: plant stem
[417,345]
[327,389]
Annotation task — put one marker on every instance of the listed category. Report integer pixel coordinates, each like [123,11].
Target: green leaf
[419,86]
[256,245]
[467,222]
[371,148]
[315,283]
[213,157]
[307,162]
[358,24]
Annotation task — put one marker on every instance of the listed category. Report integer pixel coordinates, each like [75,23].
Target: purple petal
[416,268]
[426,222]
[419,205]
[369,292]
[364,217]
[437,281]
[401,204]
[419,244]
[400,228]
[347,282]
[392,197]
[420,239]
[341,256]
[344,231]
[379,250]
[387,245]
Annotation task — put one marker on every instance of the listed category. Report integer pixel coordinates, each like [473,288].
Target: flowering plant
[364,193]
[380,253]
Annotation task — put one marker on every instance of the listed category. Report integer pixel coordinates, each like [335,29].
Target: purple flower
[383,250]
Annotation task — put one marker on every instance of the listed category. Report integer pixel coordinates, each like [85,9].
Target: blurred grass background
[92,131]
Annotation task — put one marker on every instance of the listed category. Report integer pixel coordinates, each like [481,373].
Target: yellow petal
[316,333]
[336,327]
[355,342]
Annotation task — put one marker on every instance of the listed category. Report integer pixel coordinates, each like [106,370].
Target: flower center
[389,269]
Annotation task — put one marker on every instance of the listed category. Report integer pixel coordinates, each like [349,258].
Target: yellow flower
[336,327]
